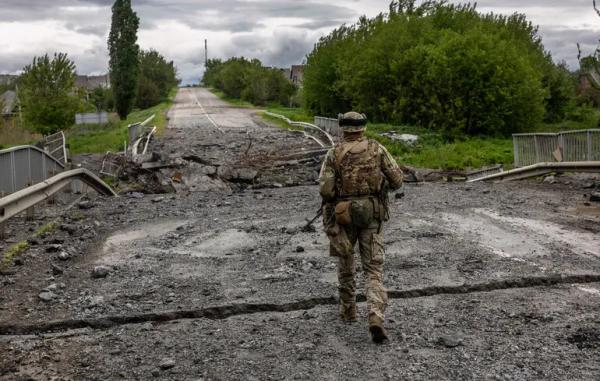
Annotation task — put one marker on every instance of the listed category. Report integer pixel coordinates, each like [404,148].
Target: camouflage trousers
[370,245]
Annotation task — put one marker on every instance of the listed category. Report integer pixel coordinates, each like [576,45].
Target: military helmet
[352,122]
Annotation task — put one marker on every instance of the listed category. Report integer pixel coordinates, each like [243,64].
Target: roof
[91,82]
[8,100]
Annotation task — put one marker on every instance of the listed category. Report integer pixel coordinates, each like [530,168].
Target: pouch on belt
[342,213]
[362,212]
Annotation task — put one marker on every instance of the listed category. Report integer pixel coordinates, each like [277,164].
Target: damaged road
[218,281]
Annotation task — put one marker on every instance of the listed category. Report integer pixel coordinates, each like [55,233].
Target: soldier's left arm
[327,179]
[390,169]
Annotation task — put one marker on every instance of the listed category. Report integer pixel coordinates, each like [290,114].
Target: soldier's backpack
[358,165]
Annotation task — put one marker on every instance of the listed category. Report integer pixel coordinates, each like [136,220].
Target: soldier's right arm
[327,180]
[391,170]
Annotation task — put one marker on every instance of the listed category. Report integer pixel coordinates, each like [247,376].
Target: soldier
[354,181]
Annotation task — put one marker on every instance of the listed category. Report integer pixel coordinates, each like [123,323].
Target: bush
[248,80]
[46,92]
[157,77]
[441,66]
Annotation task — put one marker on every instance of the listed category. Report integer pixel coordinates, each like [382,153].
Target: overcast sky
[279,32]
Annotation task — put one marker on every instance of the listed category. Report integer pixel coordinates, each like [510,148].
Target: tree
[249,80]
[441,66]
[46,90]
[157,77]
[124,52]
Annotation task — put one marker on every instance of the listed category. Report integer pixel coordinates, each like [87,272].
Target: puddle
[502,240]
[519,238]
[579,242]
[225,244]
[116,244]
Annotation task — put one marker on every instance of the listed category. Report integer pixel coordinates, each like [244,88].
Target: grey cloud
[239,27]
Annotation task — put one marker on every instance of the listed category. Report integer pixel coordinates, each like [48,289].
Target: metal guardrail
[135,148]
[138,129]
[331,125]
[310,130]
[484,172]
[26,198]
[569,146]
[24,166]
[540,169]
[56,146]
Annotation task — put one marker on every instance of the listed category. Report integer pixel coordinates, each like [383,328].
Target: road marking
[206,114]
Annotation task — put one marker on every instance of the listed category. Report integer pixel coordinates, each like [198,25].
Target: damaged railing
[569,146]
[24,166]
[323,138]
[540,169]
[27,198]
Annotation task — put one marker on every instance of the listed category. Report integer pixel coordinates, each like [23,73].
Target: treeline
[50,98]
[442,66]
[248,80]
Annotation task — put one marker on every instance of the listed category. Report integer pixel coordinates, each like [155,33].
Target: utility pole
[205,53]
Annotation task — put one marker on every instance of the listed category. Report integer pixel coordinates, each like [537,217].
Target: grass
[432,151]
[232,101]
[13,252]
[294,114]
[46,229]
[13,135]
[112,137]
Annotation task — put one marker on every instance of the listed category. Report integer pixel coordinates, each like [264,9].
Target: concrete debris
[100,272]
[405,138]
[549,180]
[47,296]
[595,197]
[64,256]
[56,270]
[239,175]
[85,205]
[166,363]
[450,341]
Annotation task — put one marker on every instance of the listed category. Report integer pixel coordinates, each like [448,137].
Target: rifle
[308,227]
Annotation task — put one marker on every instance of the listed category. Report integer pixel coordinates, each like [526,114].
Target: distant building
[7,79]
[91,82]
[297,74]
[8,101]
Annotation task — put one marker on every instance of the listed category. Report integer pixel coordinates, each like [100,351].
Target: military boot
[378,333]
[348,313]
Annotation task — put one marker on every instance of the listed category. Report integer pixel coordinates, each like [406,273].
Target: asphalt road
[219,282]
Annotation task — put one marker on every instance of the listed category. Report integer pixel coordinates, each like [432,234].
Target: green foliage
[248,80]
[432,150]
[46,93]
[292,113]
[157,78]
[124,52]
[13,252]
[445,67]
[112,137]
[102,99]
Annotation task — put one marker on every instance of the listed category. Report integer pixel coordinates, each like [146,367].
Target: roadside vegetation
[461,80]
[248,80]
[112,137]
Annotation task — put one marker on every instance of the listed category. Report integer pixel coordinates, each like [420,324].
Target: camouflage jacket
[356,169]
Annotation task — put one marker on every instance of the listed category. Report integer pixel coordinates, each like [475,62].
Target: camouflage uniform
[356,175]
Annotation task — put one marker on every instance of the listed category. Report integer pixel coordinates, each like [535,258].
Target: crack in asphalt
[226,311]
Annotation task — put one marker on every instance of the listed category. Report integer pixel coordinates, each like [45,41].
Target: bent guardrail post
[328,139]
[540,169]
[26,198]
